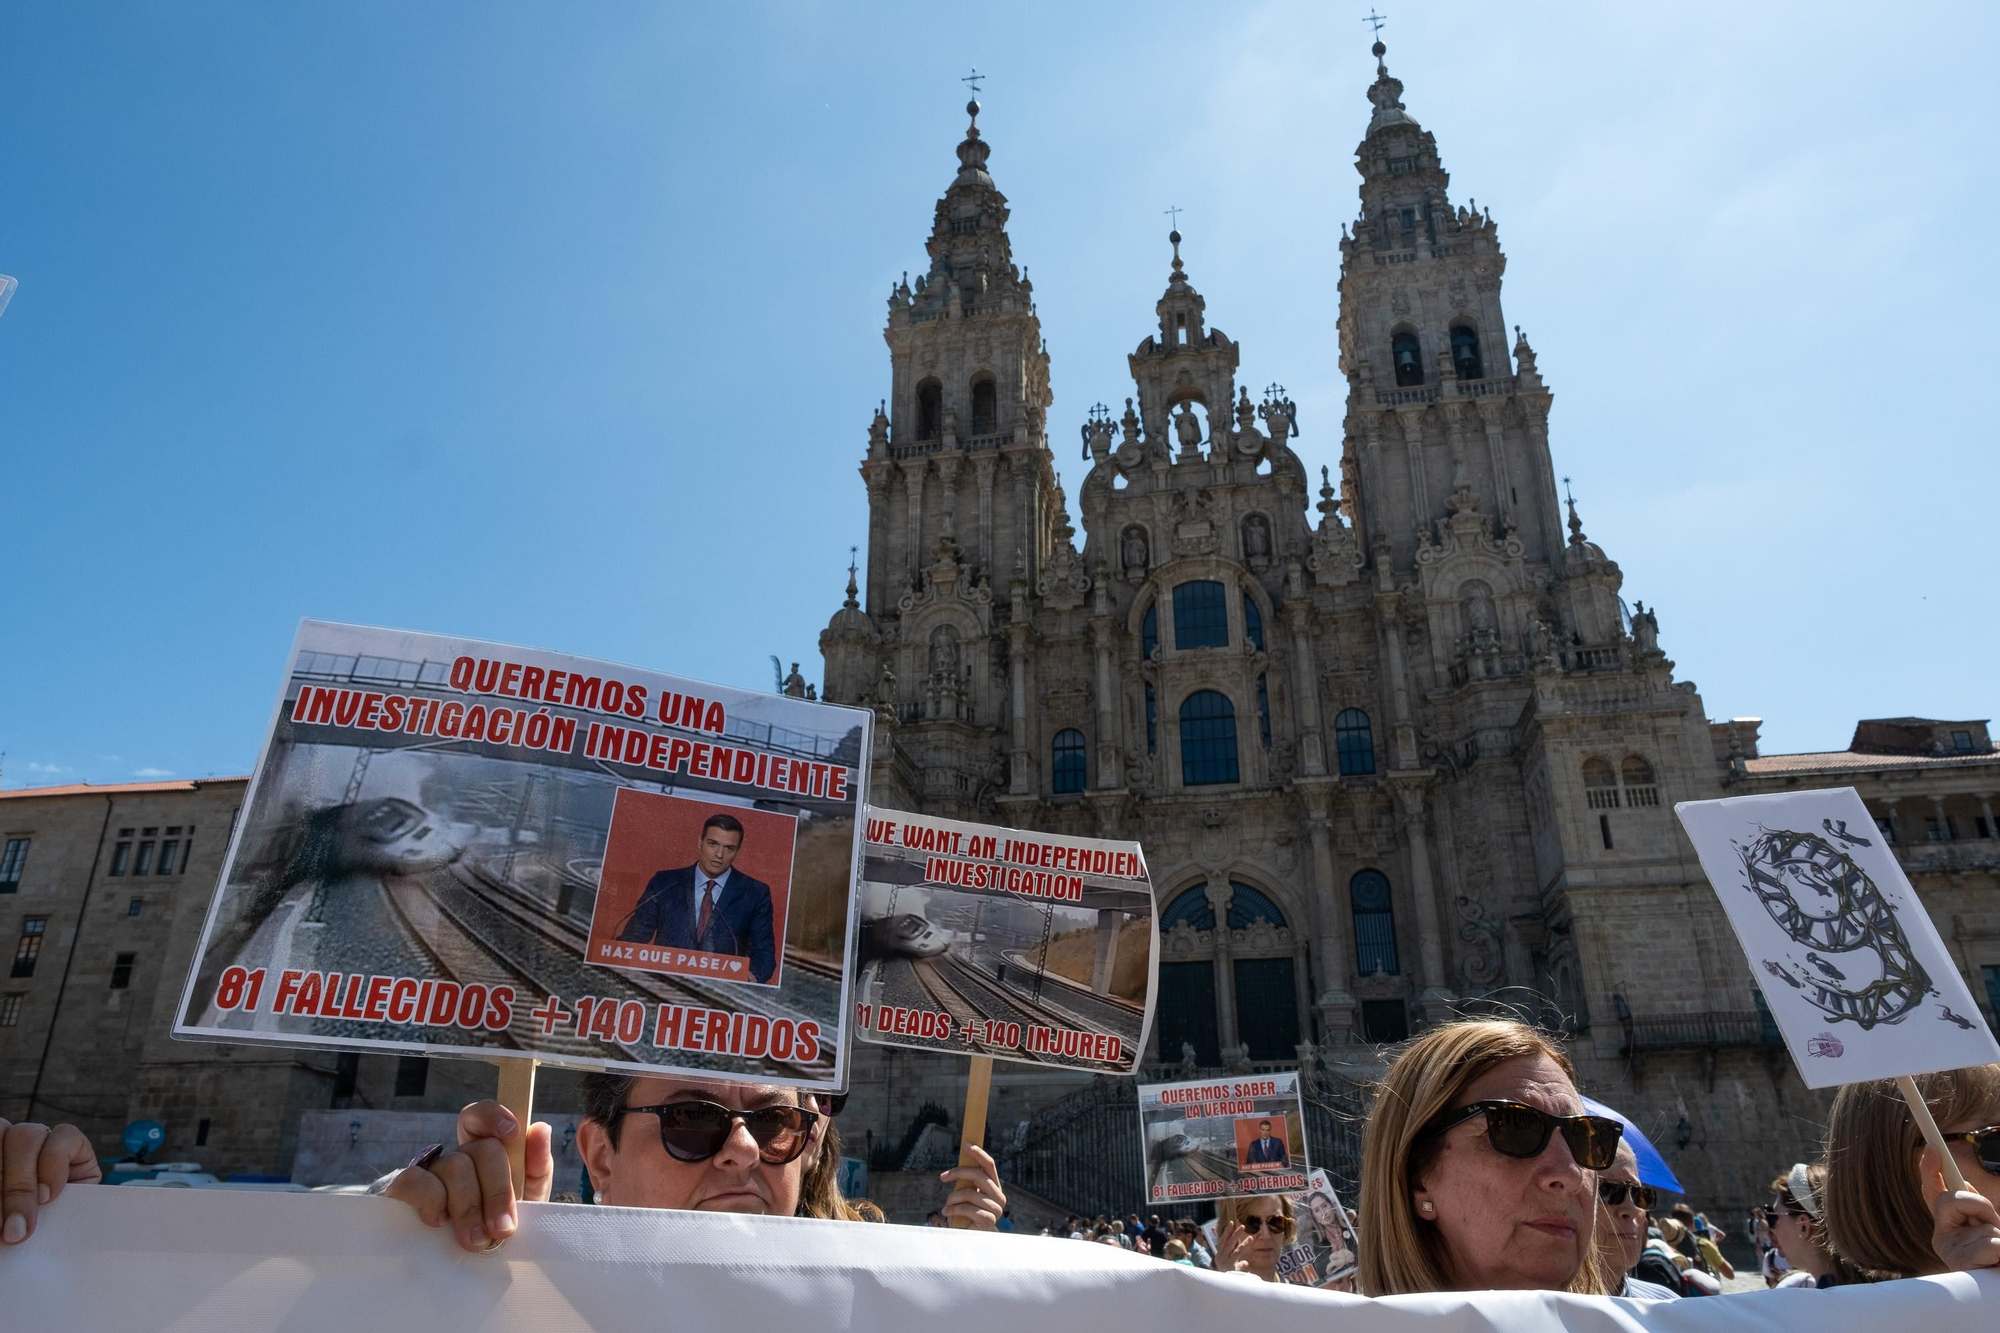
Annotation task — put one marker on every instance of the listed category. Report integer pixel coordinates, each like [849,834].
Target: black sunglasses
[1613,1193]
[696,1131]
[1985,1144]
[1252,1225]
[1518,1130]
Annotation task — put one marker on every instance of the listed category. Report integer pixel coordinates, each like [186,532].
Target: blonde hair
[1401,1254]
[819,1184]
[1877,1213]
[1236,1209]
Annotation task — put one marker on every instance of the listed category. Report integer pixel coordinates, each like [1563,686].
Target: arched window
[1247,906]
[1374,923]
[1600,785]
[1354,741]
[1208,739]
[1201,616]
[1408,355]
[1066,763]
[1465,353]
[1190,909]
[1149,631]
[1641,788]
[1263,712]
[930,410]
[985,413]
[1253,622]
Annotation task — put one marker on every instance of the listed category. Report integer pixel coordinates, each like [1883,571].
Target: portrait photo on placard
[1261,1144]
[694,888]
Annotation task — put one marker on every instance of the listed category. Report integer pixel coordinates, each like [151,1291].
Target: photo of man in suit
[1265,1149]
[709,906]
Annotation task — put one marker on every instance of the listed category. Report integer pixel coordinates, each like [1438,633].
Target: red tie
[707,909]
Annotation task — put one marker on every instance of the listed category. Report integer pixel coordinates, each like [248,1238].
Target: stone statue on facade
[1256,540]
[1134,554]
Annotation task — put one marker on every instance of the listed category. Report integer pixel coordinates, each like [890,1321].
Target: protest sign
[153,1260]
[1021,946]
[1847,958]
[454,846]
[1216,1138]
[1324,1251]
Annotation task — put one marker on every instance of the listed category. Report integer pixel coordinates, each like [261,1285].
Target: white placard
[1847,958]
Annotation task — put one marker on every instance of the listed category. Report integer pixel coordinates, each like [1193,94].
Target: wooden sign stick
[1929,1125]
[517,1094]
[972,1131]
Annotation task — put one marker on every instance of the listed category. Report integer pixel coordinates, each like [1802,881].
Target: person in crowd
[1760,1232]
[1199,1253]
[1677,1244]
[1887,1210]
[1176,1253]
[1774,1267]
[1117,1233]
[1006,1222]
[666,1143]
[1478,1168]
[1621,1230]
[1799,1228]
[1699,1245]
[1250,1234]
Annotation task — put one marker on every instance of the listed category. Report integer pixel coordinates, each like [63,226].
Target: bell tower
[1440,421]
[958,451]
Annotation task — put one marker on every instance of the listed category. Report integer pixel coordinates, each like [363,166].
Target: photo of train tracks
[960,952]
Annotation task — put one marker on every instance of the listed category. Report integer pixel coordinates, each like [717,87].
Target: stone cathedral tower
[1396,750]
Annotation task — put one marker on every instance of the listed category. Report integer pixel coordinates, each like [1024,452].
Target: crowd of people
[1480,1170]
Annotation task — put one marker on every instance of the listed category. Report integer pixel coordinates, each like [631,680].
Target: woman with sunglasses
[1887,1209]
[1478,1168]
[1798,1230]
[665,1143]
[1250,1234]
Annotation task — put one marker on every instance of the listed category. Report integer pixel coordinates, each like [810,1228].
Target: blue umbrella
[1653,1168]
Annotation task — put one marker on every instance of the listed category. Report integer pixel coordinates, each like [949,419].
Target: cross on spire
[1175,213]
[972,80]
[1375,21]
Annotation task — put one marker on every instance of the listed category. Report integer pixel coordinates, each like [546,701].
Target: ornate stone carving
[1480,962]
[1133,551]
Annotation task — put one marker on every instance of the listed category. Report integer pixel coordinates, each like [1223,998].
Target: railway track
[1085,1007]
[970,996]
[492,931]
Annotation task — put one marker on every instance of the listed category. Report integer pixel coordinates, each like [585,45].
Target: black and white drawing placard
[1849,961]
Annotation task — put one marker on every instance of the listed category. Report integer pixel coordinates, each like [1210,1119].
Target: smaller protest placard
[1218,1138]
[1324,1250]
[1848,960]
[1032,947]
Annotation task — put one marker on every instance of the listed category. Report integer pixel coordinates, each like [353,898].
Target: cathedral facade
[1394,745]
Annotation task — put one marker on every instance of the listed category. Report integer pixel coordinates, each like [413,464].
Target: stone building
[102,895]
[1396,747]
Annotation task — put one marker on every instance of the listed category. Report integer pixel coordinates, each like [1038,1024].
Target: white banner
[136,1260]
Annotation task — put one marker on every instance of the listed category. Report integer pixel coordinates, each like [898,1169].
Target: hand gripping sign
[1848,960]
[454,846]
[997,942]
[1215,1138]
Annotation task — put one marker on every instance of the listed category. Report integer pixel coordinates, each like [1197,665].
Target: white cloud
[47,770]
[152,772]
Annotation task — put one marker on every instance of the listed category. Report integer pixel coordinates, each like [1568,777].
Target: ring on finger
[425,1159]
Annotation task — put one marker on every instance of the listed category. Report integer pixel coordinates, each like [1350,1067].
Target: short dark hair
[603,1095]
[1263,1122]
[727,823]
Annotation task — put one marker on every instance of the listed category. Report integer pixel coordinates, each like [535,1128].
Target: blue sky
[561,325]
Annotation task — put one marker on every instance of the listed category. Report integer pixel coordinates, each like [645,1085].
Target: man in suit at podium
[709,906]
[1266,1150]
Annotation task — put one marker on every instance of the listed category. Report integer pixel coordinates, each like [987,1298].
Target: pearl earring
[1427,1208]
